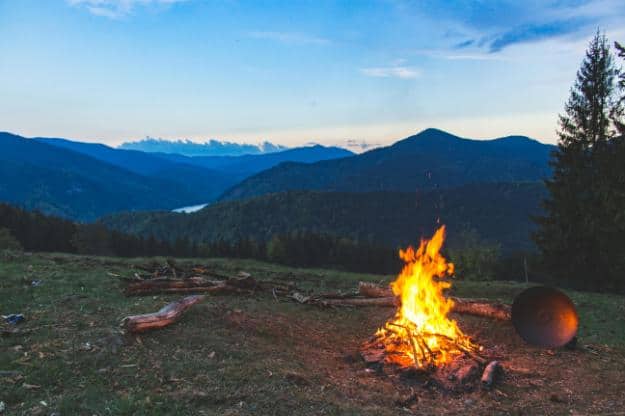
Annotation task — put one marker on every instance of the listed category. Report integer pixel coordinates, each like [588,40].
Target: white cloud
[291,38]
[115,9]
[403,72]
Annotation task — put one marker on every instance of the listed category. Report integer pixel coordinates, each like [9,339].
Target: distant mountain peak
[429,135]
[210,147]
[517,139]
[433,132]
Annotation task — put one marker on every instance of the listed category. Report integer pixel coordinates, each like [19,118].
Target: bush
[8,241]
[473,258]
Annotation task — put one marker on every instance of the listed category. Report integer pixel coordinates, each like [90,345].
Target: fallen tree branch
[486,309]
[190,285]
[390,301]
[167,315]
[373,290]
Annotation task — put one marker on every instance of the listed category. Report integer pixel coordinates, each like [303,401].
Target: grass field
[244,355]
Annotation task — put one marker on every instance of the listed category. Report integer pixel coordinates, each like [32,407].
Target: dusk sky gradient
[292,72]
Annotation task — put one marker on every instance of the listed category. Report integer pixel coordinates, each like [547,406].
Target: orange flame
[421,334]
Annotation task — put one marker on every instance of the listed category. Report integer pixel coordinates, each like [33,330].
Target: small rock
[469,402]
[297,379]
[111,342]
[351,358]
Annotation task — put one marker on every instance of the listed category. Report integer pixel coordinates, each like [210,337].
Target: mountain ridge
[428,160]
[37,175]
[83,181]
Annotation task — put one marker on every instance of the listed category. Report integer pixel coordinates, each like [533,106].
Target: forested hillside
[498,213]
[203,183]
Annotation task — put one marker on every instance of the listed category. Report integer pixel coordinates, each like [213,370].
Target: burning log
[490,373]
[165,316]
[475,307]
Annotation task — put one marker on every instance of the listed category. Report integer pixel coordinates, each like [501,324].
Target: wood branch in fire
[478,307]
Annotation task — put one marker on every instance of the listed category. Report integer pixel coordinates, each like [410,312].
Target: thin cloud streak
[503,24]
[402,72]
[115,9]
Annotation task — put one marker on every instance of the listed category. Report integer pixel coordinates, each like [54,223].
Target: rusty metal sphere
[545,316]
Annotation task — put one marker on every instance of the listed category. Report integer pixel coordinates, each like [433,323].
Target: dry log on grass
[373,290]
[165,316]
[483,308]
[191,285]
[390,301]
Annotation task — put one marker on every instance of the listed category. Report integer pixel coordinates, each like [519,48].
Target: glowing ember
[421,334]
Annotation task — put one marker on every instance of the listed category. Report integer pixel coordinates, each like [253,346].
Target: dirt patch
[585,380]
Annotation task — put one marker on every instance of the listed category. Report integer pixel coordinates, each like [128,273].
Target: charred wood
[467,373]
[490,373]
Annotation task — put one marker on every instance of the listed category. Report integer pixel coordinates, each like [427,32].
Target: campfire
[421,338]
[421,334]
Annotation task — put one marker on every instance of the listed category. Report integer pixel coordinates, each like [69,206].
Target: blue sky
[292,72]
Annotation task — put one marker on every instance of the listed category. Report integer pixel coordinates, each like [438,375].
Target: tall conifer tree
[569,233]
